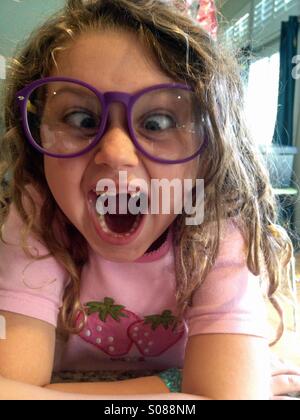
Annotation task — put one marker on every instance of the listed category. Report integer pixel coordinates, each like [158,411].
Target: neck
[159,242]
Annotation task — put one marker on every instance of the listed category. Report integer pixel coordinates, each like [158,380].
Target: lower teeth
[105,228]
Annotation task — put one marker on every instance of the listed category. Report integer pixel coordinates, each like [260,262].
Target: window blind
[238,33]
[268,15]
[238,30]
[260,21]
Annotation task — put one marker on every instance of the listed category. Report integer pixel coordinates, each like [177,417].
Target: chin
[121,255]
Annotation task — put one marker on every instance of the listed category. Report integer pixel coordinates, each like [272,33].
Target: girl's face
[111,61]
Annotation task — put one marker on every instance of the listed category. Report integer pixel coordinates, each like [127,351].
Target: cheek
[195,169]
[63,179]
[188,171]
[182,172]
[192,171]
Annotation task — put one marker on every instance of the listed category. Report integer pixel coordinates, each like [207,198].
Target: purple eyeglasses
[65,118]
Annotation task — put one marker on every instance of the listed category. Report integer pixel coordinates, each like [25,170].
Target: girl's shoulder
[232,245]
[32,282]
[230,299]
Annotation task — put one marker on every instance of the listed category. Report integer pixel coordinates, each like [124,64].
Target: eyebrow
[86,93]
[74,91]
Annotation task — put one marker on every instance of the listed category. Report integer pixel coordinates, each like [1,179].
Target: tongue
[120,223]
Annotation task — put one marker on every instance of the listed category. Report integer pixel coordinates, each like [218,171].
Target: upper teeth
[133,194]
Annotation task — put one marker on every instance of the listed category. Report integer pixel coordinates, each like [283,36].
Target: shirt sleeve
[230,300]
[29,287]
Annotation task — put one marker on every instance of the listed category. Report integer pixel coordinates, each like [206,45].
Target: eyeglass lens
[64,118]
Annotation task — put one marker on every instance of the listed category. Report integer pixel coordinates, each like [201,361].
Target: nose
[116,148]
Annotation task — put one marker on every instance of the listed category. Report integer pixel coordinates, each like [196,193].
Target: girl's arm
[227,367]
[27,355]
[26,364]
[142,385]
[27,352]
[11,390]
[219,366]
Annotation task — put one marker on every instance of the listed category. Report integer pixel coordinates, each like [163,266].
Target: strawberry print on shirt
[106,327]
[114,330]
[156,333]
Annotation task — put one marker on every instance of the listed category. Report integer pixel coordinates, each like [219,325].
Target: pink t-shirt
[132,317]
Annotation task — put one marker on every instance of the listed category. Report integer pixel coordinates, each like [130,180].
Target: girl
[106,87]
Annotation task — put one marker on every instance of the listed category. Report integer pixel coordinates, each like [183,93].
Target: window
[280,5]
[238,34]
[267,18]
[257,23]
[262,98]
[265,10]
[262,13]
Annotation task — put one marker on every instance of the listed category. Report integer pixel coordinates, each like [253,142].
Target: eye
[159,122]
[82,120]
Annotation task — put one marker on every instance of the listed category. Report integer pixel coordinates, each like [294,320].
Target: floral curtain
[204,11]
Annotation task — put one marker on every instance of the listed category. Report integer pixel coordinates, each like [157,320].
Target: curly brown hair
[236,182]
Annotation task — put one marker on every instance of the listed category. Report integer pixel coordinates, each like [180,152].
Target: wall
[232,7]
[19,17]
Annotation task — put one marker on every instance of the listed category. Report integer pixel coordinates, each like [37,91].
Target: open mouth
[114,223]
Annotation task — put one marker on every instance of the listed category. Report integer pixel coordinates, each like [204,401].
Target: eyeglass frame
[106,99]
